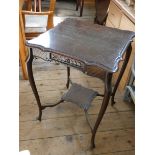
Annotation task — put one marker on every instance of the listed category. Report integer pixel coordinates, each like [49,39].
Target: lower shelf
[80,95]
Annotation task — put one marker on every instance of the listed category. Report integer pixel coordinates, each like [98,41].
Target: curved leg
[103,106]
[32,82]
[127,56]
[68,77]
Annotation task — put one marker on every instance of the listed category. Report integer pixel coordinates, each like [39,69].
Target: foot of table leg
[112,101]
[68,77]
[32,82]
[40,115]
[103,107]
[127,56]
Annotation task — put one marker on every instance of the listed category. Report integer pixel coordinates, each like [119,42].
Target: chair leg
[103,108]
[77,4]
[81,7]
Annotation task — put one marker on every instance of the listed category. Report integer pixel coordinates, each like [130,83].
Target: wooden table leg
[127,56]
[32,82]
[103,108]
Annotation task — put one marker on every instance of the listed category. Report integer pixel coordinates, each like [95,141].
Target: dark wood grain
[93,44]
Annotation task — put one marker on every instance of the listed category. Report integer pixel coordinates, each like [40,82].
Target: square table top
[90,43]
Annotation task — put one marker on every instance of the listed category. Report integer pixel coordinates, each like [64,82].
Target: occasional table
[93,49]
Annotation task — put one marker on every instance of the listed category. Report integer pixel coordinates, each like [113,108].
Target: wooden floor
[64,129]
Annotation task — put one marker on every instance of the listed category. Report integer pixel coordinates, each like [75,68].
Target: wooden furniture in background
[79,4]
[37,6]
[22,47]
[35,22]
[101,7]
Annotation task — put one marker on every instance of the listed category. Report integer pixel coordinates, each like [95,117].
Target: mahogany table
[93,49]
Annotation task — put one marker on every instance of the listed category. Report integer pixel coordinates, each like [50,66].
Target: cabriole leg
[103,106]
[32,82]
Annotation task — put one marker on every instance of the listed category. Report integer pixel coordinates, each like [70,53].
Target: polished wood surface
[90,43]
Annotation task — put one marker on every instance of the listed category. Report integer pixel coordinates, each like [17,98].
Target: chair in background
[37,20]
[30,25]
